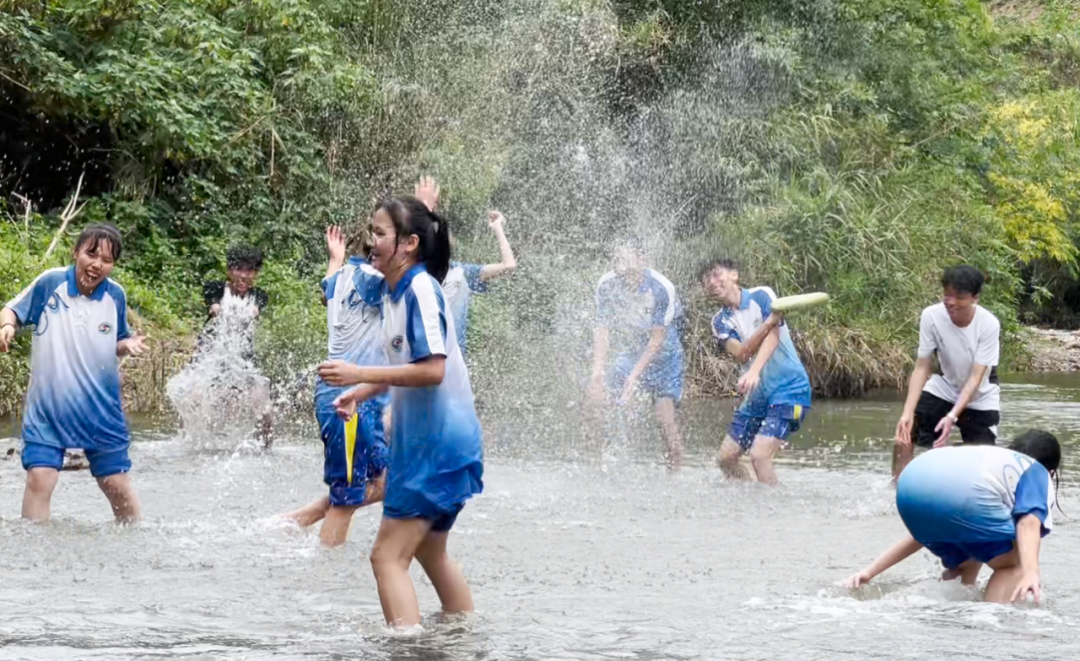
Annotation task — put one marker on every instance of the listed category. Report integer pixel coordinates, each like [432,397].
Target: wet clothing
[74,395]
[958,350]
[103,463]
[217,292]
[436,451]
[963,502]
[214,293]
[461,282]
[777,421]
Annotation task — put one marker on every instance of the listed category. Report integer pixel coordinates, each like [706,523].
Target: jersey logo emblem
[397,343]
[104,329]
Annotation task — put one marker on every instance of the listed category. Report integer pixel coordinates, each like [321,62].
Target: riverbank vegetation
[851,146]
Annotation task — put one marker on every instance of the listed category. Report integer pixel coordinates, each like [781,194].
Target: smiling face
[722,285]
[391,253]
[241,280]
[960,305]
[93,263]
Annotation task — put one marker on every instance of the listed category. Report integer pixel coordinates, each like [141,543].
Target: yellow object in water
[350,443]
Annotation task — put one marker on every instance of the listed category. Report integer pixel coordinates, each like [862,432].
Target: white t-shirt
[958,351]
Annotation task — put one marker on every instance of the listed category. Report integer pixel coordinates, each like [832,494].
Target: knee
[41,481]
[384,558]
[760,457]
[729,455]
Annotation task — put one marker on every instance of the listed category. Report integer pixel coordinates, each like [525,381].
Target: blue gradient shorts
[354,451]
[663,378]
[440,521]
[778,421]
[103,463]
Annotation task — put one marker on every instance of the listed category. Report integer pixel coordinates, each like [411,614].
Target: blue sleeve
[116,293]
[764,299]
[605,306]
[723,331]
[31,302]
[369,282]
[1033,495]
[472,277]
[664,312]
[329,285]
[425,326]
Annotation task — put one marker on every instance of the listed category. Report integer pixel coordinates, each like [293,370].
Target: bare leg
[445,574]
[37,498]
[665,413]
[391,556]
[121,494]
[762,453]
[730,452]
[265,432]
[309,514]
[968,572]
[901,457]
[335,527]
[1007,572]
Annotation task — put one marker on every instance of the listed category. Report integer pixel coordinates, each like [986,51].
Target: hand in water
[903,430]
[7,334]
[335,244]
[1029,583]
[496,221]
[857,580]
[339,373]
[427,191]
[944,426]
[345,407]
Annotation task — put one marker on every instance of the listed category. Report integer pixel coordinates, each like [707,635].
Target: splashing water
[221,396]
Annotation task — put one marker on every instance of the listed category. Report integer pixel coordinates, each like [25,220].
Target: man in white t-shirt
[964,392]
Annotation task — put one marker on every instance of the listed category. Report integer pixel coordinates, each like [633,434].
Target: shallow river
[569,556]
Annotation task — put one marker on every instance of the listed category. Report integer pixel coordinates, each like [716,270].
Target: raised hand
[427,191]
[496,221]
[335,244]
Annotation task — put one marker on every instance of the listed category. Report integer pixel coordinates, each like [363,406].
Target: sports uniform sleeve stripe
[369,282]
[721,330]
[30,303]
[1034,496]
[116,292]
[764,297]
[472,277]
[329,285]
[666,301]
[426,320]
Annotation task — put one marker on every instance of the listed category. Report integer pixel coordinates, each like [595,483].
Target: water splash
[221,396]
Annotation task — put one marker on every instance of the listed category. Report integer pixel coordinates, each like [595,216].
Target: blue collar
[744,301]
[356,260]
[406,280]
[73,287]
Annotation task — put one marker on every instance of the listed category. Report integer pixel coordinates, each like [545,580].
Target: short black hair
[963,279]
[714,264]
[93,235]
[244,257]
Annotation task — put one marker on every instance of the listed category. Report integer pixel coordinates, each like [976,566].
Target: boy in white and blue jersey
[638,315]
[978,505]
[774,383]
[355,452]
[436,451]
[80,326]
[464,279]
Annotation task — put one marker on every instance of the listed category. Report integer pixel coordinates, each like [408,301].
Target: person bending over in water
[464,279]
[74,401]
[965,392]
[638,315]
[237,295]
[971,505]
[774,383]
[436,450]
[355,453]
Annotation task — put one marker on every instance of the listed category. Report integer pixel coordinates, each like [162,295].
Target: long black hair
[411,216]
[1044,448]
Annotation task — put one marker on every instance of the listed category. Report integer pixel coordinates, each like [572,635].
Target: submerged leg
[669,425]
[309,514]
[121,494]
[445,574]
[1007,573]
[335,527]
[730,453]
[37,498]
[762,453]
[391,556]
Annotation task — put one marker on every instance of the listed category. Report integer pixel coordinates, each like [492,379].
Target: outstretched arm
[656,340]
[919,376]
[423,373]
[896,554]
[9,323]
[506,253]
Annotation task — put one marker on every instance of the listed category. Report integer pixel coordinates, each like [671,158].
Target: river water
[569,557]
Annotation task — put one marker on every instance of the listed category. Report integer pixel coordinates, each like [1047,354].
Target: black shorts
[976,427]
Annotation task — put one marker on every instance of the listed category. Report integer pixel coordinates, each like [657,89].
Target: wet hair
[244,257]
[92,236]
[410,216]
[963,279]
[361,241]
[714,264]
[1044,448]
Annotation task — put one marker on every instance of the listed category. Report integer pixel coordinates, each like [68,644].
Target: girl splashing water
[975,505]
[436,451]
